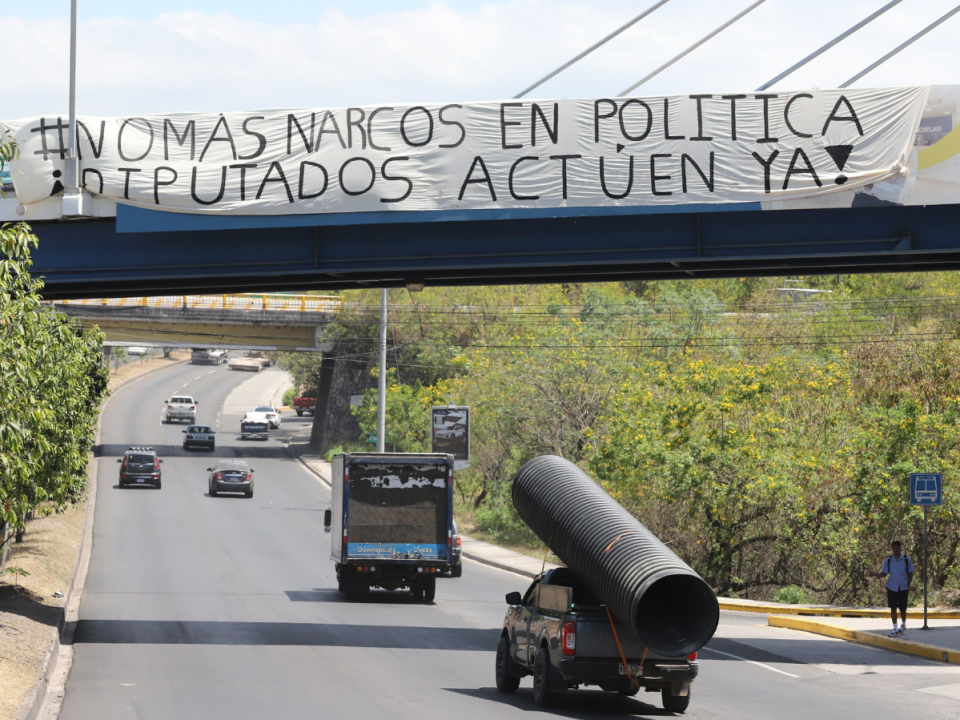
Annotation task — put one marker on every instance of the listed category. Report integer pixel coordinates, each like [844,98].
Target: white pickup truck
[180,407]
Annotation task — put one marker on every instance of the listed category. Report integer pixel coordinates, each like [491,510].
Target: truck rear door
[399,510]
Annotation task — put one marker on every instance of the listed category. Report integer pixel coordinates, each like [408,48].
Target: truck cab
[559,632]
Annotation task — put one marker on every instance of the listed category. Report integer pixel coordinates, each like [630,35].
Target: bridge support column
[342,374]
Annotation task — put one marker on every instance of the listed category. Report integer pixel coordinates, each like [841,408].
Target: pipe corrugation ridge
[640,579]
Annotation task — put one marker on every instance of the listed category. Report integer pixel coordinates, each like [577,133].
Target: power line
[593,47]
[909,42]
[837,39]
[693,47]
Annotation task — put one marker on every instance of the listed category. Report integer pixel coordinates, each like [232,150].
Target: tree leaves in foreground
[52,383]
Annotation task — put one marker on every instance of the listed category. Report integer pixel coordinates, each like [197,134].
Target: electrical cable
[693,47]
[593,47]
[847,33]
[907,44]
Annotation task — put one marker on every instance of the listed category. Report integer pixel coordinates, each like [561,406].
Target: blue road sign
[926,489]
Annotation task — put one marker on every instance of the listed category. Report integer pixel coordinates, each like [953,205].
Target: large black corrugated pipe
[639,578]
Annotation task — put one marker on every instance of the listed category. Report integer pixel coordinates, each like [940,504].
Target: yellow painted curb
[931,652]
[776,609]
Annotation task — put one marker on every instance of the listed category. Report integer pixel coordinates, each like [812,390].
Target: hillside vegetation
[765,432]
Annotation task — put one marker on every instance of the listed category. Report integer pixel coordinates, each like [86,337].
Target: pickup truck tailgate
[595,637]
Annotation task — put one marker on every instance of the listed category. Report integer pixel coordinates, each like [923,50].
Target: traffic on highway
[199,606]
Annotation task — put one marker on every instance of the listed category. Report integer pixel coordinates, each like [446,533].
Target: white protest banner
[680,150]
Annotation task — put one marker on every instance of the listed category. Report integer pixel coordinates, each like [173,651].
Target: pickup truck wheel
[543,696]
[456,571]
[675,703]
[299,413]
[429,589]
[506,680]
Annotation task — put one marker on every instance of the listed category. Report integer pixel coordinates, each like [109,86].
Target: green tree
[52,383]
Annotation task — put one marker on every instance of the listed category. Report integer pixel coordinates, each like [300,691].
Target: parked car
[140,466]
[304,405]
[456,559]
[181,407]
[199,436]
[267,412]
[233,476]
[136,350]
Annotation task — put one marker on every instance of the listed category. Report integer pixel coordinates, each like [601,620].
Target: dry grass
[28,611]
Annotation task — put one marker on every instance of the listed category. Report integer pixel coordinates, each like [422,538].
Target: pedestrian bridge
[253,321]
[820,181]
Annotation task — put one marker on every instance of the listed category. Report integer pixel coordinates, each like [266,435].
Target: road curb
[781,609]
[500,565]
[909,647]
[297,456]
[62,643]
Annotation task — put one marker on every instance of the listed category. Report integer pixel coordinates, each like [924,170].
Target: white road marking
[950,691]
[752,662]
[200,376]
[211,372]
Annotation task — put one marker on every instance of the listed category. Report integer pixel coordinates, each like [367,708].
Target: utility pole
[73,200]
[382,389]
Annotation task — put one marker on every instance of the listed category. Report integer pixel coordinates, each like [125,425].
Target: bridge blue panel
[132,219]
[90,258]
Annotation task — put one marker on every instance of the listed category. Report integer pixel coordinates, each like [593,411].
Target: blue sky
[142,57]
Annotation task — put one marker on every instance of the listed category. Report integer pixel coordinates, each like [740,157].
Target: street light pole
[925,560]
[382,387]
[72,204]
[71,180]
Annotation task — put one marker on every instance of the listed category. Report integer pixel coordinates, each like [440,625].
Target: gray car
[233,476]
[456,559]
[199,436]
[140,466]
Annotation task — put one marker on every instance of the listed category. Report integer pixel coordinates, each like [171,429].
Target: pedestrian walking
[898,569]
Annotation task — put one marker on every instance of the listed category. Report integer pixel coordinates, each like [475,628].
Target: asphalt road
[200,607]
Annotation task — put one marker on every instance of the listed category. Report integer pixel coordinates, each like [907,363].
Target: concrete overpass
[250,321]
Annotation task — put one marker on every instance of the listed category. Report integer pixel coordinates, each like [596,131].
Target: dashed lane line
[752,662]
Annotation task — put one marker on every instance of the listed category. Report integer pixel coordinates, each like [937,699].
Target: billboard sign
[450,431]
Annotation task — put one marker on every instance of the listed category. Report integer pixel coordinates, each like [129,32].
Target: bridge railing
[251,302]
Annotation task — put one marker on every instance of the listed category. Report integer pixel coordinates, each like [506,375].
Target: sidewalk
[941,642]
[846,611]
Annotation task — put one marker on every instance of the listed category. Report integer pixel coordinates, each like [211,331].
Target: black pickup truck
[563,636]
